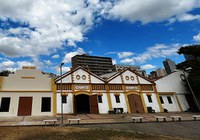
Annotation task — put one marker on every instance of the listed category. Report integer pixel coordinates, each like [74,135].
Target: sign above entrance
[131,87]
[81,87]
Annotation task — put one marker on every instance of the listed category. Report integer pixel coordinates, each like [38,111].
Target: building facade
[28,92]
[169,65]
[97,65]
[172,92]
[125,91]
[161,72]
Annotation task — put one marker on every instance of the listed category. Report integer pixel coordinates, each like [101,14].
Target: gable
[95,80]
[66,79]
[143,80]
[27,79]
[116,80]
[129,77]
[81,76]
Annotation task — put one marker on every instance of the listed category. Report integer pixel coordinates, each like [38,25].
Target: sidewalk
[92,118]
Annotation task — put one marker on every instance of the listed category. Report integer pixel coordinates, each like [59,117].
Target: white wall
[170,107]
[183,102]
[122,103]
[37,81]
[103,107]
[154,103]
[67,107]
[36,102]
[171,83]
[116,80]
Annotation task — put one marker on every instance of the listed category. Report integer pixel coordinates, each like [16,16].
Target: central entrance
[135,103]
[25,106]
[82,104]
[85,104]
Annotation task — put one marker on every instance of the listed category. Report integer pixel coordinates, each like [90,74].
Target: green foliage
[194,62]
[193,50]
[5,73]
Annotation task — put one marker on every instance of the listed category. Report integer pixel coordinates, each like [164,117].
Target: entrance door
[94,105]
[82,104]
[135,103]
[25,106]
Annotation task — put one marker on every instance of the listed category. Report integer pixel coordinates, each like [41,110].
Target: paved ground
[187,128]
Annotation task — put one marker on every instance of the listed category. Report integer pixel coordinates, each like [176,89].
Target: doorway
[85,104]
[82,104]
[135,103]
[25,106]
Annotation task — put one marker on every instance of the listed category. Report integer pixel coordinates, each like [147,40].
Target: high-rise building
[161,72]
[131,67]
[96,64]
[169,65]
[153,74]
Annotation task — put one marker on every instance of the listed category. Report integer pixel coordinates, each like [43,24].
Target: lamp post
[61,92]
[188,83]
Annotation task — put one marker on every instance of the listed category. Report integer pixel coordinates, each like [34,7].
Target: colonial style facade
[28,92]
[125,91]
[172,92]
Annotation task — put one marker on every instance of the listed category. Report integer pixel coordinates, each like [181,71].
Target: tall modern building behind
[96,64]
[169,65]
[161,72]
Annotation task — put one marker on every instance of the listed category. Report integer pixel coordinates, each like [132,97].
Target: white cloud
[124,54]
[68,56]
[114,61]
[52,23]
[64,69]
[12,66]
[197,37]
[48,62]
[156,51]
[55,56]
[7,63]
[127,60]
[150,10]
[188,17]
[147,67]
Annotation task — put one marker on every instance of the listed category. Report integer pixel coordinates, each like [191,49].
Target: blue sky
[132,32]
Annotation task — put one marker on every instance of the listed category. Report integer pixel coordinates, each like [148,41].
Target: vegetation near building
[192,56]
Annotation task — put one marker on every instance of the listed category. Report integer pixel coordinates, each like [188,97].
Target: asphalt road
[184,129]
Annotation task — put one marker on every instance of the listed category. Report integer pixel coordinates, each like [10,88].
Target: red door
[94,105]
[25,106]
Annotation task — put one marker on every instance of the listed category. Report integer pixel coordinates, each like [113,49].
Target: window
[149,98]
[169,99]
[161,100]
[46,104]
[64,99]
[117,99]
[5,104]
[100,99]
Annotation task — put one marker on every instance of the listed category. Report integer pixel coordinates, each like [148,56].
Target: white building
[85,92]
[172,92]
[28,92]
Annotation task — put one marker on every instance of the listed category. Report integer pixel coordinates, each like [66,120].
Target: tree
[192,55]
[5,73]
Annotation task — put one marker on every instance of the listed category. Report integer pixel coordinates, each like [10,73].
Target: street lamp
[61,92]
[188,83]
